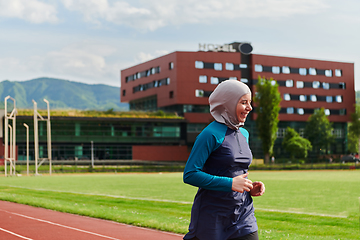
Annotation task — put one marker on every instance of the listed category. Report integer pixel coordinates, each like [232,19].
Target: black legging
[251,236]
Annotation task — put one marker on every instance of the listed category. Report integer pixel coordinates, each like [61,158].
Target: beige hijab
[223,101]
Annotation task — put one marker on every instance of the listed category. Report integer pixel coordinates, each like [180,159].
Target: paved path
[19,221]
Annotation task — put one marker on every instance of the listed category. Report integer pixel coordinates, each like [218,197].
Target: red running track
[19,221]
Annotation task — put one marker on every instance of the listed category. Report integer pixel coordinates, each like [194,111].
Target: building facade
[107,138]
[182,82]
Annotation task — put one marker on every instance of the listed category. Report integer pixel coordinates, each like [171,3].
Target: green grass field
[296,204]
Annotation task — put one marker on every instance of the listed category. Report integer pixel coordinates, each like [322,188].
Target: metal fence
[118,166]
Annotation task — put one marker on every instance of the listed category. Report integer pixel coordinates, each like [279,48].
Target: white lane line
[7,231]
[102,195]
[60,225]
[294,212]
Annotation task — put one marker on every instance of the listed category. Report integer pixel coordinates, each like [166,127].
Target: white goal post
[38,117]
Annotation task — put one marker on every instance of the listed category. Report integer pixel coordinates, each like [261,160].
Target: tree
[318,130]
[267,99]
[354,131]
[352,141]
[296,145]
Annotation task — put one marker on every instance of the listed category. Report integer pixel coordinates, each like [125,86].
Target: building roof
[109,114]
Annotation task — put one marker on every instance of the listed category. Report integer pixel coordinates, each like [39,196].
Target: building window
[124,92]
[287,97]
[202,79]
[218,66]
[299,84]
[285,70]
[327,112]
[162,82]
[79,149]
[276,70]
[302,71]
[199,64]
[329,99]
[313,98]
[243,65]
[77,129]
[342,85]
[301,132]
[171,94]
[273,82]
[195,127]
[316,84]
[244,80]
[312,71]
[281,132]
[302,98]
[171,65]
[214,80]
[338,99]
[342,111]
[188,108]
[229,66]
[258,68]
[338,73]
[326,85]
[112,131]
[290,110]
[232,78]
[154,70]
[338,133]
[300,111]
[328,73]
[289,83]
[199,93]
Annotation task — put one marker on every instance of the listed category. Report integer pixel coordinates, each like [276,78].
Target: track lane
[38,223]
[6,234]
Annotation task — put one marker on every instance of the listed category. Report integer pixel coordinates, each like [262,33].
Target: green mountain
[61,94]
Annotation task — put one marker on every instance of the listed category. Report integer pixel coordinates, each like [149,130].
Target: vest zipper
[237,139]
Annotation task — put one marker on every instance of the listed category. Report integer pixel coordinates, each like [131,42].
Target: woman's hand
[258,189]
[241,183]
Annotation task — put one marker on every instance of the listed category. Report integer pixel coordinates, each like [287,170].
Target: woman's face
[243,107]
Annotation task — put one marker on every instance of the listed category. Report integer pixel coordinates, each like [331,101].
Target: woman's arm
[206,142]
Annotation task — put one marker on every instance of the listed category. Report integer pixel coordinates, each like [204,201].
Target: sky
[90,41]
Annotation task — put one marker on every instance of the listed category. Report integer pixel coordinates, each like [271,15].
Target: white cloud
[143,57]
[9,64]
[151,15]
[30,10]
[12,68]
[120,12]
[84,60]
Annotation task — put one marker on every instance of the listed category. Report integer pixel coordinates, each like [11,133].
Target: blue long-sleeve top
[208,141]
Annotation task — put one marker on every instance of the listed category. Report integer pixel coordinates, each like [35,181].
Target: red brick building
[182,82]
